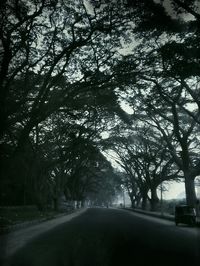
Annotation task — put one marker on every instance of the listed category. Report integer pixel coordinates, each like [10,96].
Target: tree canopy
[66,67]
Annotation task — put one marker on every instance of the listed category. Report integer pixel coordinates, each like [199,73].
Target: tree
[66,33]
[166,66]
[142,154]
[63,59]
[55,59]
[164,109]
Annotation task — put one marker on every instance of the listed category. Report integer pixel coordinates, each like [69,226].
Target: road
[111,237]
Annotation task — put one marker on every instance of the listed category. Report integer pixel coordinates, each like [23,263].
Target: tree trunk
[138,200]
[132,199]
[154,199]
[55,204]
[144,202]
[191,198]
[39,203]
[82,203]
[132,202]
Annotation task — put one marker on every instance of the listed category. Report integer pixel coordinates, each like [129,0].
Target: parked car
[185,214]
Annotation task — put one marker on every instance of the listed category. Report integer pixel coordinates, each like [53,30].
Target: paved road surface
[110,237]
[18,238]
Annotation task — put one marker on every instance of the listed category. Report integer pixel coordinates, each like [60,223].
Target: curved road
[111,237]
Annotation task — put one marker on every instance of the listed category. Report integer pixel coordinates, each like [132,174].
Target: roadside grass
[16,215]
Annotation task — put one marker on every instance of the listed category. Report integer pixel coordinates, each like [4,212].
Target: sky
[174,190]
[177,191]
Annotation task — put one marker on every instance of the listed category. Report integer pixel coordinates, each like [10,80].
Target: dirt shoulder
[16,239]
[165,216]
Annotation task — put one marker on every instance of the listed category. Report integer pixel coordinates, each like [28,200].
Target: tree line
[63,74]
